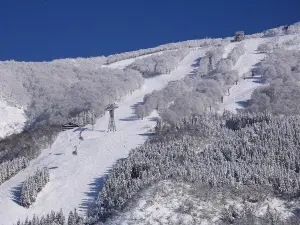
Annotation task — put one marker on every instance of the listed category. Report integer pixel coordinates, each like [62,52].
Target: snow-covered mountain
[75,181]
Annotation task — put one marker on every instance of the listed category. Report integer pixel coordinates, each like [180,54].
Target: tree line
[10,168]
[55,218]
[32,186]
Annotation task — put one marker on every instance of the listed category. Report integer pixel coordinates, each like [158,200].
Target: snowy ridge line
[201,91]
[171,46]
[76,180]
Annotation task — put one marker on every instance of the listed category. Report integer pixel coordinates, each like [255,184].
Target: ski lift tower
[111,123]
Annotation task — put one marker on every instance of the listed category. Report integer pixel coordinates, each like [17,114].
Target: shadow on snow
[95,187]
[16,194]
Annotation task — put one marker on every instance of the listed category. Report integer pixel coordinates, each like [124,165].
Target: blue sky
[38,30]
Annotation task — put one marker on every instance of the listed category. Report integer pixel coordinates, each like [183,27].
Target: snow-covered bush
[294,28]
[273,32]
[161,99]
[32,186]
[280,70]
[204,67]
[236,53]
[54,218]
[54,92]
[159,64]
[265,47]
[10,168]
[182,98]
[208,62]
[217,53]
[224,66]
[91,62]
[191,95]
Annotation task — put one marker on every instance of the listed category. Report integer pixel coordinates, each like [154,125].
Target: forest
[252,150]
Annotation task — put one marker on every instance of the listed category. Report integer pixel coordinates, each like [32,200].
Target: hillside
[132,80]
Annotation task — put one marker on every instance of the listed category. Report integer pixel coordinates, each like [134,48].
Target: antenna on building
[111,123]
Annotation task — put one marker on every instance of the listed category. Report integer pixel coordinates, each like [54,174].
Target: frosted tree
[71,219]
[32,186]
[55,218]
[10,168]
[159,64]
[265,47]
[140,111]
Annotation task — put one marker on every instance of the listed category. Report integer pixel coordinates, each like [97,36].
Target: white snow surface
[241,93]
[75,180]
[12,120]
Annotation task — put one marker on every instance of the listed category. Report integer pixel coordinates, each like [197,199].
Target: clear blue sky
[38,30]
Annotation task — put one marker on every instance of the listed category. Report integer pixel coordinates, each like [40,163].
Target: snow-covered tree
[10,168]
[159,64]
[32,186]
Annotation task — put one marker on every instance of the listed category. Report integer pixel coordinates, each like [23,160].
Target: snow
[12,119]
[170,202]
[241,93]
[75,180]
[124,63]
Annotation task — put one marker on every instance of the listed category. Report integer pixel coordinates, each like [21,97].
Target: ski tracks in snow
[241,93]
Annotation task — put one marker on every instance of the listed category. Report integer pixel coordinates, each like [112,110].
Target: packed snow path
[241,93]
[75,180]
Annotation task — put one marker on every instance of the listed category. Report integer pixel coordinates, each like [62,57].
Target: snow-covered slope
[75,180]
[163,203]
[239,94]
[12,119]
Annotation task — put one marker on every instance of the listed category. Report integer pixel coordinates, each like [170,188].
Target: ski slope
[241,93]
[75,180]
